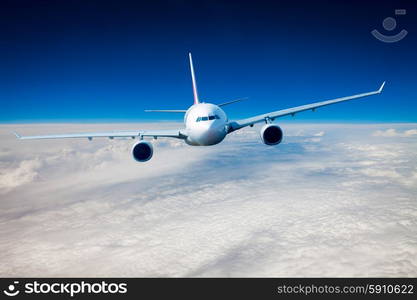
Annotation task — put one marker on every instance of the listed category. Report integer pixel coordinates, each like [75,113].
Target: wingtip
[17,135]
[382,87]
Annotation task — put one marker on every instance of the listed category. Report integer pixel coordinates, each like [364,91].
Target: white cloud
[24,173]
[394,133]
[331,200]
[320,133]
[374,172]
[410,132]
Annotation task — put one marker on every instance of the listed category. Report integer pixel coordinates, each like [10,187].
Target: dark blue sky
[110,60]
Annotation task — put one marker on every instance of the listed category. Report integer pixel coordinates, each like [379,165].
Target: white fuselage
[206,124]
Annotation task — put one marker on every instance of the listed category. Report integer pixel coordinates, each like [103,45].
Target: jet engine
[142,151]
[271,134]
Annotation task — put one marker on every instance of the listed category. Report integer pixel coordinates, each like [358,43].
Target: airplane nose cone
[209,134]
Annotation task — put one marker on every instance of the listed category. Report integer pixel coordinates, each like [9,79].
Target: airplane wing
[173,133]
[238,124]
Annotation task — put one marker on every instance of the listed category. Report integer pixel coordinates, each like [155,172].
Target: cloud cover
[331,200]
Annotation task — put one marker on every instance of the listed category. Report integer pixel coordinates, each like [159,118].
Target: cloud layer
[331,200]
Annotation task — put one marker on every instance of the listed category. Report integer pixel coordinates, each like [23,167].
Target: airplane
[205,124]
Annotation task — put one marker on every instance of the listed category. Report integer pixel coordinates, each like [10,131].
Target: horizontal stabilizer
[232,101]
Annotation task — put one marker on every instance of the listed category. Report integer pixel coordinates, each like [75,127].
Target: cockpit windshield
[207,118]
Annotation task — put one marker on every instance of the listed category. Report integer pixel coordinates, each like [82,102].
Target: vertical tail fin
[196,101]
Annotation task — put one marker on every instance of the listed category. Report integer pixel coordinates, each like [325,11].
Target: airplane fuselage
[206,124]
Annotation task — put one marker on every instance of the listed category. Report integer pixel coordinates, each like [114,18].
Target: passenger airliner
[205,124]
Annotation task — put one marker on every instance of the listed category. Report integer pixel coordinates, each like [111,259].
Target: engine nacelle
[142,151]
[271,134]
